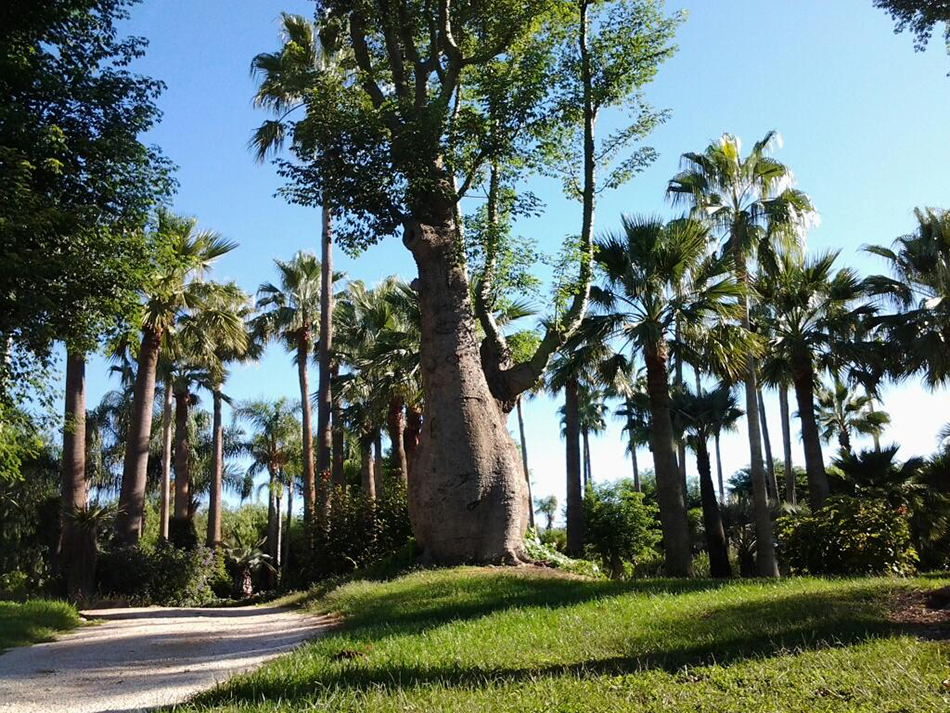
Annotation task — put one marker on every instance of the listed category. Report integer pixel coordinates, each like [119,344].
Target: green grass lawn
[34,621]
[501,640]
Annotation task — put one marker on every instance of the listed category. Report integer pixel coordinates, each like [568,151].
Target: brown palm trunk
[325,346]
[396,423]
[766,563]
[76,553]
[572,449]
[378,460]
[669,484]
[217,471]
[790,496]
[411,436]
[712,519]
[811,440]
[771,481]
[469,501]
[273,525]
[588,476]
[524,463]
[182,457]
[722,486]
[367,467]
[303,376]
[338,434]
[290,516]
[166,493]
[135,466]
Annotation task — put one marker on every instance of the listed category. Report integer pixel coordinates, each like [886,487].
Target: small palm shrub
[848,536]
[619,527]
[244,562]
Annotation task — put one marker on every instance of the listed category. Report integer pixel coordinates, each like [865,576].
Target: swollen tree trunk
[811,440]
[135,467]
[468,502]
[712,519]
[396,423]
[722,486]
[572,450]
[182,457]
[367,467]
[771,482]
[303,377]
[78,554]
[217,471]
[669,484]
[325,346]
[790,496]
[633,448]
[166,459]
[524,463]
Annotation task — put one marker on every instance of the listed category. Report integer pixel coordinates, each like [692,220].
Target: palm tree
[547,506]
[634,412]
[285,77]
[919,287]
[817,316]
[657,274]
[276,431]
[842,411]
[290,312]
[703,413]
[752,203]
[182,255]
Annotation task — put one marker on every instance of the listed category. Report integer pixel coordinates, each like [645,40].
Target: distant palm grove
[400,442]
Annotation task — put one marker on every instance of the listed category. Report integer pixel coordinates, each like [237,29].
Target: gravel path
[141,658]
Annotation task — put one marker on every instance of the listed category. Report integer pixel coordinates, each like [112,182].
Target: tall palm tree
[703,413]
[752,203]
[592,411]
[181,256]
[842,411]
[290,313]
[634,412]
[817,318]
[656,274]
[285,77]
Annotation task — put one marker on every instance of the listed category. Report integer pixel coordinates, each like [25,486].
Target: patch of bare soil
[923,613]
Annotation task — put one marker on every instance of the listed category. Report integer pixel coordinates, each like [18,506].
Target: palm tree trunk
[325,345]
[588,476]
[722,486]
[765,546]
[166,458]
[411,436]
[575,513]
[681,446]
[790,496]
[396,422]
[633,448]
[309,491]
[669,483]
[811,440]
[772,483]
[273,537]
[290,516]
[875,434]
[75,551]
[367,467]
[378,460]
[217,470]
[135,465]
[182,457]
[524,463]
[712,519]
[337,432]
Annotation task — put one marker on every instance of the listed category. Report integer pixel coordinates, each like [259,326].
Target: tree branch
[363,60]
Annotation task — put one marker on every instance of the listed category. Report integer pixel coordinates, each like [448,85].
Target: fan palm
[657,274]
[182,255]
[752,203]
[841,411]
[817,315]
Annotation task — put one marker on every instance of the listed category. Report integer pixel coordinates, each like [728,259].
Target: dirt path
[140,658]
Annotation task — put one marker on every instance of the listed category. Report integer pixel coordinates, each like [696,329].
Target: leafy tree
[841,411]
[621,527]
[918,16]
[656,274]
[547,506]
[752,203]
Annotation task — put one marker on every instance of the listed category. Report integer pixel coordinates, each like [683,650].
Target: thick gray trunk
[166,493]
[790,495]
[811,440]
[524,463]
[182,457]
[135,466]
[78,559]
[772,483]
[325,346]
[669,485]
[469,501]
[572,451]
[217,471]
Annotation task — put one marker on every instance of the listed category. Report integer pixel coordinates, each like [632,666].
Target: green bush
[847,536]
[547,555]
[555,537]
[619,527]
[164,575]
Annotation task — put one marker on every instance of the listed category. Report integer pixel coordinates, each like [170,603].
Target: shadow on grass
[667,639]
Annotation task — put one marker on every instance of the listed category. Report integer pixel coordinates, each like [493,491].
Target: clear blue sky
[865,121]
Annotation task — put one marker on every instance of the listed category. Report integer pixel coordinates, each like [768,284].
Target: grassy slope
[496,640]
[34,621]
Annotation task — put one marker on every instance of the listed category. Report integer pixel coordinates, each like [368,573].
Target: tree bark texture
[182,456]
[338,435]
[722,485]
[524,464]
[411,436]
[396,424]
[79,562]
[325,345]
[572,451]
[166,494]
[712,519]
[217,471]
[771,481]
[811,440]
[306,431]
[790,495]
[367,467]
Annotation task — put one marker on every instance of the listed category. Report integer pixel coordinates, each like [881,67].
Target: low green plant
[549,556]
[849,535]
[619,526]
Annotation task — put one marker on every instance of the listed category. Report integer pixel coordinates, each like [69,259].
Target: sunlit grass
[34,621]
[492,639]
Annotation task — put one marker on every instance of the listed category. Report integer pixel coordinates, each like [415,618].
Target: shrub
[164,575]
[556,538]
[546,555]
[848,536]
[619,527]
